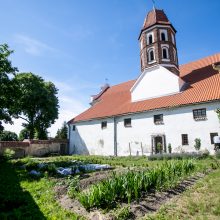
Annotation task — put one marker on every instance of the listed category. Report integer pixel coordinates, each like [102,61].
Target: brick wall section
[10,144]
[35,147]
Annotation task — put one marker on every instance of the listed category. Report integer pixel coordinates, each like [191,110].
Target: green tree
[24,134]
[37,104]
[218,113]
[8,136]
[62,133]
[7,91]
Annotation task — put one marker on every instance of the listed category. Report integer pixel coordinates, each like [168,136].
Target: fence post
[142,150]
[130,148]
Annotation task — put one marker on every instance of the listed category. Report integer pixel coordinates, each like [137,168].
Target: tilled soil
[150,202]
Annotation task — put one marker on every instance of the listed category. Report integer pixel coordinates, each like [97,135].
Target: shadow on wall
[79,145]
[14,202]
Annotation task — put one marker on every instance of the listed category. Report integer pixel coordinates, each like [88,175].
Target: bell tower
[158,42]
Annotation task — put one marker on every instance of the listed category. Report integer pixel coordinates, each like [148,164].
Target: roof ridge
[200,59]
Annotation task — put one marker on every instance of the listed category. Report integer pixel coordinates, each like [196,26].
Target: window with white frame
[165,53]
[163,35]
[150,38]
[151,55]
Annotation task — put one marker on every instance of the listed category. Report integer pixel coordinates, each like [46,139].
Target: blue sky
[78,43]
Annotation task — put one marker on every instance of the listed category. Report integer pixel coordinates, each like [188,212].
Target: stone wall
[36,148]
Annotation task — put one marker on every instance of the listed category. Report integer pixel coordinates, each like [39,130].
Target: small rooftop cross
[153,1]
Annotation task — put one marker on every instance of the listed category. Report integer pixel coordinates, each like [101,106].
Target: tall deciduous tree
[8,136]
[37,104]
[7,92]
[62,132]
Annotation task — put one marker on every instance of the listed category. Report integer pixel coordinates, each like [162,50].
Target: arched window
[165,53]
[163,36]
[151,55]
[150,39]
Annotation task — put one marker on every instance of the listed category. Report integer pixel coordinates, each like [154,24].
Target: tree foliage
[218,113]
[62,133]
[37,104]
[24,134]
[8,136]
[7,91]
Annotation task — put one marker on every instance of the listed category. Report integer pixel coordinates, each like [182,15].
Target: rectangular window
[74,127]
[104,124]
[199,114]
[185,140]
[127,122]
[212,135]
[158,119]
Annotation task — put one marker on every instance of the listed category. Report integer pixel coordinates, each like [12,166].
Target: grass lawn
[202,201]
[25,197]
[22,197]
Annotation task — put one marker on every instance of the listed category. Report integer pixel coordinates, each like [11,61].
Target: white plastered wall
[154,82]
[177,121]
[89,138]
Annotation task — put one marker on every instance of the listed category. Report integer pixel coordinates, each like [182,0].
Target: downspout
[115,137]
[68,139]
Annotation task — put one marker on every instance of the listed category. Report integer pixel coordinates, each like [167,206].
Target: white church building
[167,103]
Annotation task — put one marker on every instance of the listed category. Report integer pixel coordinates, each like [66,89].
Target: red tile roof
[204,86]
[154,17]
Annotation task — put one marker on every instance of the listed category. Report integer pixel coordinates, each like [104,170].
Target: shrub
[179,156]
[8,154]
[197,144]
[49,168]
[217,154]
[159,148]
[169,148]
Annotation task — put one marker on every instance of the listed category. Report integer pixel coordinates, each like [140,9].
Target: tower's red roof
[156,16]
[203,86]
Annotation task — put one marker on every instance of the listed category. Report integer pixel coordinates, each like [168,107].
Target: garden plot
[136,191]
[129,191]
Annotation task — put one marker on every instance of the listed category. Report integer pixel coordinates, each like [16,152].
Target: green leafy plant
[8,154]
[197,144]
[73,186]
[159,148]
[129,186]
[169,148]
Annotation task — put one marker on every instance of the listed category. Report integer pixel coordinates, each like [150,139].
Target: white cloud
[32,46]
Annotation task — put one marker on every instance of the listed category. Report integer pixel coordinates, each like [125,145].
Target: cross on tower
[153,1]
